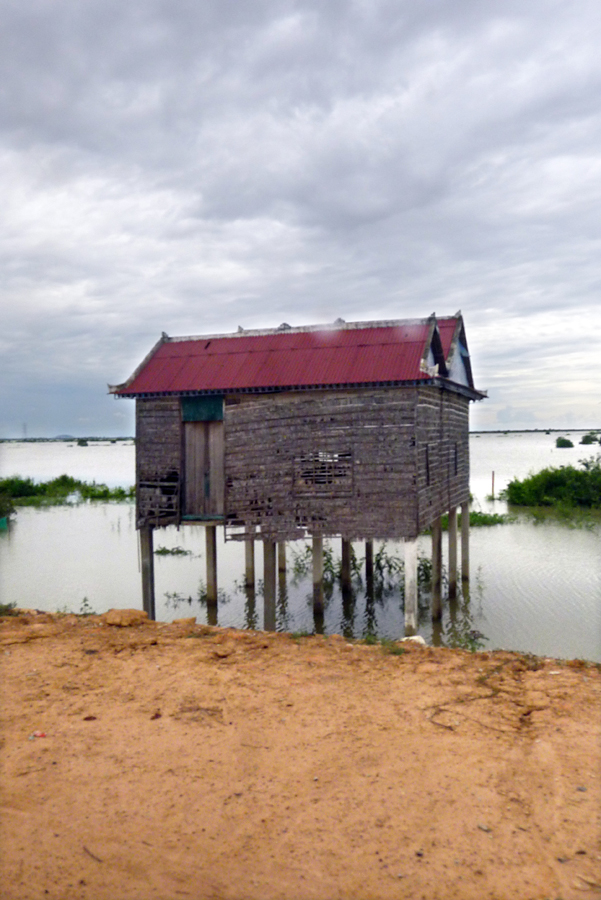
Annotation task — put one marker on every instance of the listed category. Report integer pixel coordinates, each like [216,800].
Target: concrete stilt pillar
[369,560]
[436,569]
[465,541]
[211,541]
[345,571]
[282,556]
[147,566]
[269,582]
[249,560]
[453,552]
[410,587]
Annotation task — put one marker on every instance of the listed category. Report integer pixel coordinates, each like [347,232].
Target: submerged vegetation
[566,486]
[388,570]
[172,551]
[17,491]
[478,519]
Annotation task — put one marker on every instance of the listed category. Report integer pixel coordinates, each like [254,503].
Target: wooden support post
[465,541]
[410,587]
[453,552]
[369,560]
[317,561]
[282,556]
[249,561]
[211,541]
[269,592]
[318,579]
[147,566]
[345,571]
[436,569]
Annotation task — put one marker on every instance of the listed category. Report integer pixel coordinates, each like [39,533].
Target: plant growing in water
[388,571]
[25,492]
[565,486]
[172,551]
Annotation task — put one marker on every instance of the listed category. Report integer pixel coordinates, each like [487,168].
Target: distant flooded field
[535,586]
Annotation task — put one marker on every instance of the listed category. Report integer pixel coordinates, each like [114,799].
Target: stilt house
[351,429]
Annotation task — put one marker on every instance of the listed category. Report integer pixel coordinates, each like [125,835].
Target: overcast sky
[190,166]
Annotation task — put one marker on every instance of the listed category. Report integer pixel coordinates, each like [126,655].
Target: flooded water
[536,586]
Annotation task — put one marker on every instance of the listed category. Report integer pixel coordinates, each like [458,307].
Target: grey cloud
[190,167]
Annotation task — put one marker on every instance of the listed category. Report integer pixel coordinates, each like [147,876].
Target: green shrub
[590,438]
[564,486]
[24,491]
[563,442]
[8,609]
[6,506]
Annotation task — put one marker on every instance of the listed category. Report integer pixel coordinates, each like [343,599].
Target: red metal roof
[447,328]
[351,354]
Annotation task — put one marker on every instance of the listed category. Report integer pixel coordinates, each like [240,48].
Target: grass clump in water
[477,519]
[172,551]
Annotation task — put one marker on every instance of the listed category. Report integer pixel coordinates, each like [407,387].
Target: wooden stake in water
[493,485]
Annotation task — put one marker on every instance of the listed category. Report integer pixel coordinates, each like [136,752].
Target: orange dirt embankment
[185,761]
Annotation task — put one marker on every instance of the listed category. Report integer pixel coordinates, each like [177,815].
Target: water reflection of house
[358,430]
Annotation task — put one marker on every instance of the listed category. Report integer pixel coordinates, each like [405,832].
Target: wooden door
[204,468]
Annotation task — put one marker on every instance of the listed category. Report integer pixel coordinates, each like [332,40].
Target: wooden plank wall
[442,444]
[375,463]
[158,461]
[361,446]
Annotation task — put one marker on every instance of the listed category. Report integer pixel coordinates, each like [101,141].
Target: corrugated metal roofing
[293,358]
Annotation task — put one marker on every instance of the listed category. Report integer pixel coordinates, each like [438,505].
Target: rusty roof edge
[117,388]
[339,325]
[424,381]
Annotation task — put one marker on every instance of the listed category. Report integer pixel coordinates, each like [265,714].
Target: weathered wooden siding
[327,462]
[442,444]
[374,463]
[158,460]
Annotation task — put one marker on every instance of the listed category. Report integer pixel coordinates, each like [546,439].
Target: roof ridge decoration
[284,328]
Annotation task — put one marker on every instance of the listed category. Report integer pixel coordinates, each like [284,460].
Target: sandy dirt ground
[181,761]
